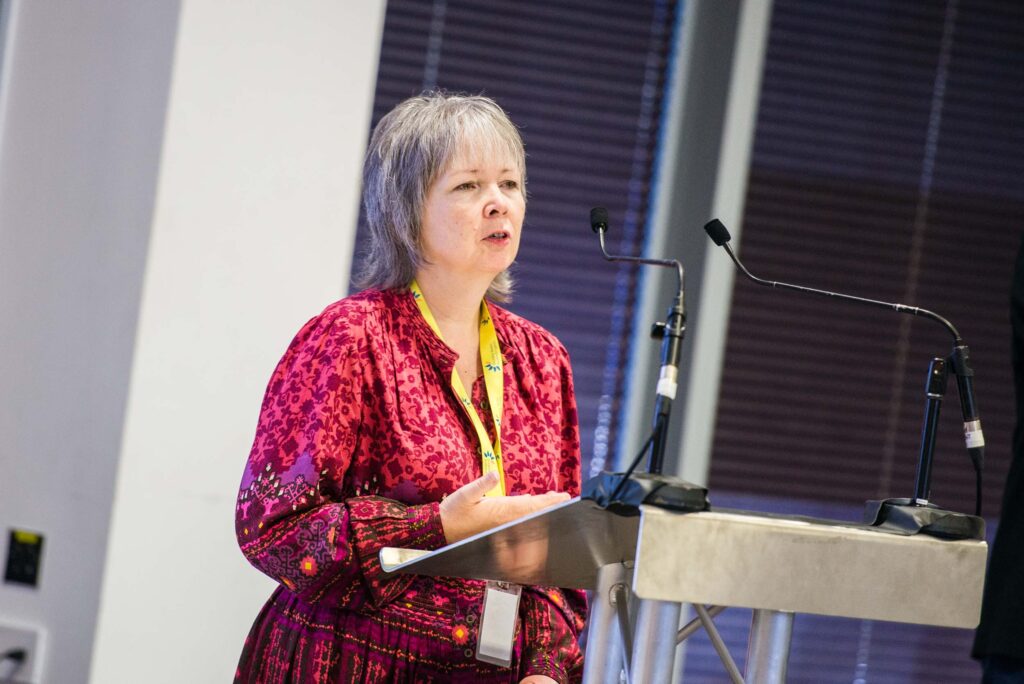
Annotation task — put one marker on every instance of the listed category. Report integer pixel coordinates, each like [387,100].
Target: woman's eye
[466,186]
[511,184]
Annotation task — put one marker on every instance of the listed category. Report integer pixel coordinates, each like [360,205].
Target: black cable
[977,490]
[635,463]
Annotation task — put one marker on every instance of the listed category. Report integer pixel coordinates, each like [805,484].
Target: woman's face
[473,216]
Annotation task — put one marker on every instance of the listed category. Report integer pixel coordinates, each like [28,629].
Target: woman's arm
[292,521]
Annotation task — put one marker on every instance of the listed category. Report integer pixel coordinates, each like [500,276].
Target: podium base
[906,517]
[664,491]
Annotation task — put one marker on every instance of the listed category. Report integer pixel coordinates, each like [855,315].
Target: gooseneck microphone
[959,359]
[719,234]
[671,333]
[599,224]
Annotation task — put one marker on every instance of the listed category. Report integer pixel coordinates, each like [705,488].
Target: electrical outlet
[31,640]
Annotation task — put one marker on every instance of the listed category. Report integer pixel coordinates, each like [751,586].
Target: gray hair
[410,148]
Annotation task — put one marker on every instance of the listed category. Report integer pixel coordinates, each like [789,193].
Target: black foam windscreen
[717,231]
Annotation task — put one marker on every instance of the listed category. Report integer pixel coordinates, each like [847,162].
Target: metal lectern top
[728,558]
[561,546]
[736,558]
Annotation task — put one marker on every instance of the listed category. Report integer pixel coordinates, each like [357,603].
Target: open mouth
[498,235]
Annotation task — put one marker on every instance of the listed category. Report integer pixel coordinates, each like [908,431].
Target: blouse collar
[402,302]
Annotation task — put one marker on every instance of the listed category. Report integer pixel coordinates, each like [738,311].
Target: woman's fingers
[468,511]
[459,518]
[472,492]
[532,504]
[551,498]
[507,508]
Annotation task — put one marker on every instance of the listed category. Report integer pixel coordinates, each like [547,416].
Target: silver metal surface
[768,647]
[724,559]
[654,643]
[620,599]
[603,662]
[562,546]
[691,627]
[391,556]
[720,648]
[759,562]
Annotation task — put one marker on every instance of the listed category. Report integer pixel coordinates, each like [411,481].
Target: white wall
[256,208]
[149,279]
[82,106]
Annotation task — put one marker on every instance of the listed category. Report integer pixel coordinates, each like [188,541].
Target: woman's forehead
[480,162]
[478,151]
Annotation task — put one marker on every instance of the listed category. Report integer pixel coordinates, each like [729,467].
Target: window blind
[887,162]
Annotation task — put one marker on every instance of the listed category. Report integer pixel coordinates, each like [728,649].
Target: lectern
[775,565]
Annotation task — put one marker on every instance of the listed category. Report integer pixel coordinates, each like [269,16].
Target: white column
[252,234]
[709,338]
[83,93]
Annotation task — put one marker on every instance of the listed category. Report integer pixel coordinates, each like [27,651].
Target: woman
[413,414]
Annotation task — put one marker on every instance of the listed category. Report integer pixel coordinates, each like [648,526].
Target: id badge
[498,623]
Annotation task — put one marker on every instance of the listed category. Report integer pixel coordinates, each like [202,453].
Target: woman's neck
[454,303]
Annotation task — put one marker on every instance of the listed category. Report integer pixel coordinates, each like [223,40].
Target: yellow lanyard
[490,358]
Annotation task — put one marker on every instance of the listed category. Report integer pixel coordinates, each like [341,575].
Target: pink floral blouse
[359,438]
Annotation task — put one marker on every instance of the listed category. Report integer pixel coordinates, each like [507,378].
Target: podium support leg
[768,649]
[603,661]
[654,648]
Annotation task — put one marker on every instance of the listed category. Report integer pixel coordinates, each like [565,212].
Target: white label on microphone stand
[973,434]
[667,384]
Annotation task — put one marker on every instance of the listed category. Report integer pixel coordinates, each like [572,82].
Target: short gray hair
[411,146]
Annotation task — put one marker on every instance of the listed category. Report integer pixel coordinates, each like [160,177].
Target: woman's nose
[497,202]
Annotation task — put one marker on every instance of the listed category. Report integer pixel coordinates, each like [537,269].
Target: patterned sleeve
[553,618]
[291,520]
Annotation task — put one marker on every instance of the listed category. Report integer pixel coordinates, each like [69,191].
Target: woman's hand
[466,511]
[538,679]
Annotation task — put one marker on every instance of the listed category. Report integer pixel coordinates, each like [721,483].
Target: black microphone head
[599,219]
[717,231]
